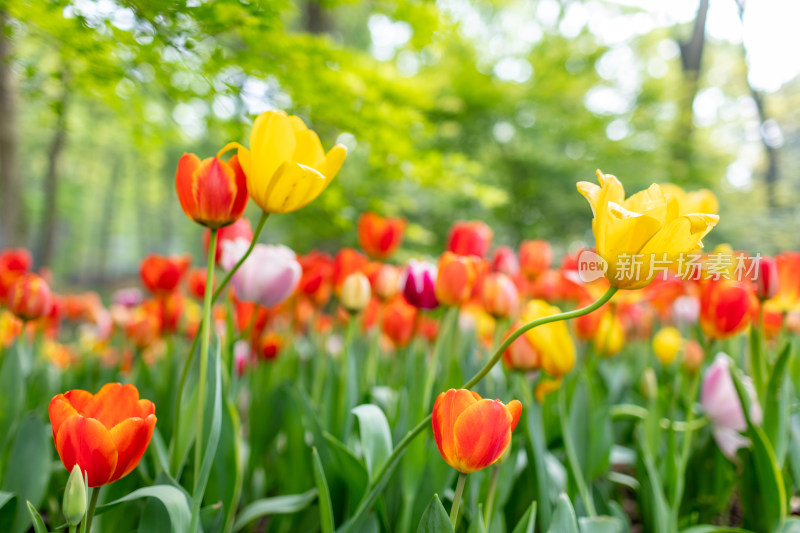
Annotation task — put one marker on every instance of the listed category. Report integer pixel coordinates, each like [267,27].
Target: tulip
[286,167]
[269,345]
[356,292]
[474,318]
[470,238]
[610,335]
[544,387]
[241,356]
[317,279]
[535,257]
[14,263]
[419,284]
[74,502]
[787,297]
[641,230]
[693,356]
[471,432]
[386,282]
[686,310]
[500,295]
[666,345]
[766,277]
[212,192]
[29,297]
[721,404]
[10,328]
[143,325]
[726,308]
[398,321]
[196,282]
[130,297]
[268,276]
[346,262]
[456,276]
[105,434]
[380,237]
[701,201]
[551,347]
[162,274]
[505,261]
[239,229]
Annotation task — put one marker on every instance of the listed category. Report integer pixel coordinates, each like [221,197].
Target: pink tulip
[722,406]
[241,356]
[686,310]
[505,261]
[268,276]
[418,284]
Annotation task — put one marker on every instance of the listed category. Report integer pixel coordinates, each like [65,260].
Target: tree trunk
[110,207]
[691,61]
[317,19]
[50,215]
[12,214]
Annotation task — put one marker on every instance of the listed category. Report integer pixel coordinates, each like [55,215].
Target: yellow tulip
[666,345]
[286,167]
[610,335]
[641,235]
[701,201]
[552,341]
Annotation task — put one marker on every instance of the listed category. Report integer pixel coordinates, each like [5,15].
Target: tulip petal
[515,409]
[650,202]
[87,443]
[293,186]
[131,438]
[114,403]
[333,161]
[446,410]
[272,143]
[681,235]
[481,434]
[309,150]
[186,182]
[60,411]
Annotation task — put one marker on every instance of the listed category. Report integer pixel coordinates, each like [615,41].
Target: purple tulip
[419,284]
[268,276]
[722,406]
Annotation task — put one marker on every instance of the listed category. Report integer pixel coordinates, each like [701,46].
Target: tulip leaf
[277,505]
[12,391]
[792,525]
[527,523]
[564,520]
[715,529]
[376,437]
[600,524]
[174,500]
[654,501]
[776,405]
[28,470]
[325,507]
[435,518]
[36,519]
[7,512]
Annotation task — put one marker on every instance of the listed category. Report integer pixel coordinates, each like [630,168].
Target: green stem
[572,456]
[441,340]
[185,373]
[462,480]
[201,384]
[346,379]
[687,444]
[73,529]
[377,484]
[487,515]
[90,512]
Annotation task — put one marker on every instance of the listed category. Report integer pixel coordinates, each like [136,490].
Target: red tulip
[398,321]
[726,307]
[380,237]
[29,297]
[505,261]
[212,192]
[13,263]
[162,274]
[317,279]
[346,262]
[766,277]
[470,238]
[535,257]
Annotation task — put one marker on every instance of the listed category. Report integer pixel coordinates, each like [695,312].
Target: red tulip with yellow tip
[212,192]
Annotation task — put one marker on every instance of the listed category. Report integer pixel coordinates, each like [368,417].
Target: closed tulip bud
[380,237]
[649,384]
[240,229]
[386,282]
[29,298]
[667,344]
[471,432]
[766,278]
[286,167]
[610,335]
[455,279]
[162,274]
[470,238]
[419,284]
[535,257]
[505,261]
[356,292]
[74,503]
[500,296]
[726,308]
[693,356]
[212,192]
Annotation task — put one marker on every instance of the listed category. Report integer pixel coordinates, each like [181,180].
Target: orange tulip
[455,279]
[535,257]
[500,295]
[105,434]
[380,237]
[399,318]
[196,282]
[787,297]
[726,307]
[268,345]
[471,432]
[161,274]
[470,238]
[317,278]
[143,325]
[14,263]
[29,297]
[212,192]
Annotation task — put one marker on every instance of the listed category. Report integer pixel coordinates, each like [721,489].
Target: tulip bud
[667,344]
[386,283]
[693,356]
[419,285]
[29,297]
[470,238]
[356,292]
[766,277]
[610,335]
[74,505]
[505,261]
[500,295]
[535,257]
[455,279]
[649,384]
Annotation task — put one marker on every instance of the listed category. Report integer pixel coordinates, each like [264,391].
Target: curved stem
[572,456]
[462,480]
[201,384]
[185,373]
[379,482]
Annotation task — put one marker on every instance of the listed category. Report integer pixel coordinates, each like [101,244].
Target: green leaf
[376,437]
[536,449]
[435,519]
[776,405]
[8,513]
[715,529]
[477,525]
[325,507]
[277,505]
[527,523]
[12,390]
[36,519]
[600,524]
[792,525]
[564,520]
[28,470]
[174,500]
[655,503]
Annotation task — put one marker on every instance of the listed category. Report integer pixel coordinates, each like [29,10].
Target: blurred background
[450,109]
